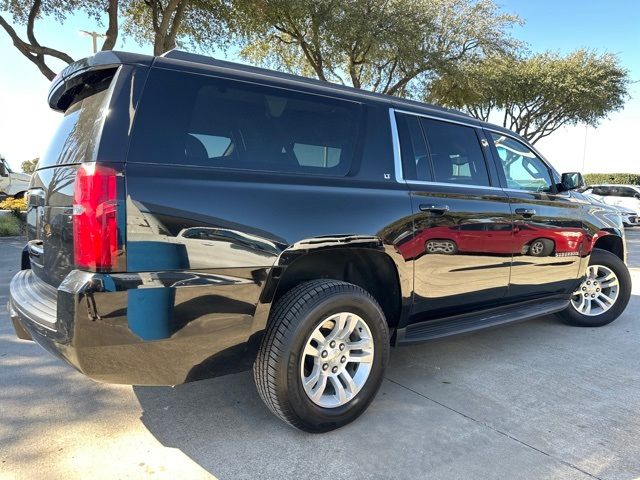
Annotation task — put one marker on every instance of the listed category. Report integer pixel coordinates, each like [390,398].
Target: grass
[9,226]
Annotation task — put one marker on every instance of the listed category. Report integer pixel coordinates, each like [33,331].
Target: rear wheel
[323,356]
[604,293]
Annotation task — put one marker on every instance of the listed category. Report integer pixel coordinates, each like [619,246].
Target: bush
[10,226]
[16,205]
[622,178]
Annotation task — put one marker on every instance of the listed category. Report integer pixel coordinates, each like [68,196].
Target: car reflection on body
[231,245]
[629,217]
[493,238]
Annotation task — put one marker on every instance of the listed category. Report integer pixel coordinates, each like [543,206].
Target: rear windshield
[78,134]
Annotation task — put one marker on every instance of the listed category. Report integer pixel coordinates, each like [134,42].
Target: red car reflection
[497,238]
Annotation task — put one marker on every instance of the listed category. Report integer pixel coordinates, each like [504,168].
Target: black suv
[194,217]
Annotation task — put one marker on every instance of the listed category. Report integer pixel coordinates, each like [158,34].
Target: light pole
[94,37]
[584,148]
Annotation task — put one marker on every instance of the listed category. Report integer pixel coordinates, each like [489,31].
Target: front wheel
[323,355]
[604,293]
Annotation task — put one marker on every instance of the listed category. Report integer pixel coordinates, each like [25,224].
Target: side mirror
[572,181]
[637,195]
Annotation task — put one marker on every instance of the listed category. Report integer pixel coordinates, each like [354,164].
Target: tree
[384,46]
[161,22]
[28,12]
[29,166]
[537,94]
[164,23]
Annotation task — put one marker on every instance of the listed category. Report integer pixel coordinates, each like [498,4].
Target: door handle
[439,209]
[525,212]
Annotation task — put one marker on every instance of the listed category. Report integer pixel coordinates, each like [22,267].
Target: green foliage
[196,24]
[9,226]
[614,178]
[29,166]
[390,47]
[536,94]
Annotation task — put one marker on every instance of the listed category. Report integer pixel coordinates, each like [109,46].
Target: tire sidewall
[291,390]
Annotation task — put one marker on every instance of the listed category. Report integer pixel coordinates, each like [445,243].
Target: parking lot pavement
[533,400]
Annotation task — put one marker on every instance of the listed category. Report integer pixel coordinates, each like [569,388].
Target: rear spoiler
[88,72]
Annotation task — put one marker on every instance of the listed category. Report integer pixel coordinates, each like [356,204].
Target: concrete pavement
[533,400]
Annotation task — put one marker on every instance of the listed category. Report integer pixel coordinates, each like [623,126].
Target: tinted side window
[522,168]
[413,149]
[602,191]
[627,192]
[456,154]
[206,121]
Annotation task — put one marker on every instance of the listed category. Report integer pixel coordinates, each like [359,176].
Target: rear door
[548,231]
[454,190]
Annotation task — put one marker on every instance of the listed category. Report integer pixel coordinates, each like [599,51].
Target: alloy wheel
[336,360]
[597,293]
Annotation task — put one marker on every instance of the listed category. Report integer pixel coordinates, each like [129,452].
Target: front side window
[523,169]
[213,122]
[456,154]
[627,192]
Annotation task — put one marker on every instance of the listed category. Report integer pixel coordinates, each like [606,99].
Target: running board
[434,329]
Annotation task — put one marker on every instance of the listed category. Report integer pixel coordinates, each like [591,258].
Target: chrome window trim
[395,139]
[447,184]
[398,159]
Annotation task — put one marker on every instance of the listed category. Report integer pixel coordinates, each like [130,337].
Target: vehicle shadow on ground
[223,425]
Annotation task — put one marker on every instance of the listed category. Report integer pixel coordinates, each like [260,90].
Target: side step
[469,322]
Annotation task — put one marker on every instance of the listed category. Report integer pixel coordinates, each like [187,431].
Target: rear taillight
[95,222]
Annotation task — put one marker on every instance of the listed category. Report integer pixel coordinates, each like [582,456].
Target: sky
[27,124]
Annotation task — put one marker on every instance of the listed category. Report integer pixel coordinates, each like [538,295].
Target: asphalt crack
[498,431]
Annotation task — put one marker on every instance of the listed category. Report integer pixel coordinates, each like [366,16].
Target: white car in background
[12,184]
[625,198]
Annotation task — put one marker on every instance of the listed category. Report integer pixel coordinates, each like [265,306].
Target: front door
[548,232]
[456,203]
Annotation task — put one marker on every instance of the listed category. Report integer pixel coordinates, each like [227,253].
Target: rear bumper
[142,329]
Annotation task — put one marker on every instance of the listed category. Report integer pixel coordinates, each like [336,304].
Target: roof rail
[211,61]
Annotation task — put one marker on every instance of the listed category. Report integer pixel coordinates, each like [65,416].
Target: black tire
[546,247]
[602,257]
[277,366]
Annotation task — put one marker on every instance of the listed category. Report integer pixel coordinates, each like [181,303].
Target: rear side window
[213,122]
[413,148]
[76,138]
[456,153]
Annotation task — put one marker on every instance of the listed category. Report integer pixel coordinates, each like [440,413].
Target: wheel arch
[610,242]
[367,265]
